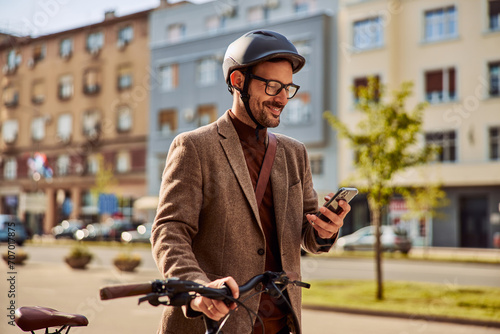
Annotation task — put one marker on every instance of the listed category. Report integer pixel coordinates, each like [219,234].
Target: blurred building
[450,50]
[71,103]
[188,42]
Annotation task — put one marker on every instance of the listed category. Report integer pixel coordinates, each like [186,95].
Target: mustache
[274,104]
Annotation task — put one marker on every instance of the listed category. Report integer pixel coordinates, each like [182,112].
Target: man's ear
[237,79]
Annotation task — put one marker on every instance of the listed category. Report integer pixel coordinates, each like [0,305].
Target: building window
[494,134]
[298,110]
[93,164]
[494,14]
[304,49]
[124,77]
[206,114]
[39,52]
[207,70]
[125,36]
[440,85]
[255,14]
[176,32]
[95,42]
[124,119]
[14,59]
[65,127]
[10,129]
[38,128]
[316,162]
[214,23]
[92,124]
[63,164]
[11,96]
[362,82]
[446,142]
[66,48]
[368,33]
[92,81]
[167,122]
[169,77]
[66,87]
[10,169]
[440,24]
[38,92]
[494,78]
[302,6]
[123,162]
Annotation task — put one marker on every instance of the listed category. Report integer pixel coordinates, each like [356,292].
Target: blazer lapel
[232,148]
[279,182]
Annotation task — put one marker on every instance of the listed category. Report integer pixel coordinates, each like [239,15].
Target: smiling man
[237,200]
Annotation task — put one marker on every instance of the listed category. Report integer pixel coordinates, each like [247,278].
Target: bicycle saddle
[31,318]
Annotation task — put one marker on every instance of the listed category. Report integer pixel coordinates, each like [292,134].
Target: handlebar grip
[125,290]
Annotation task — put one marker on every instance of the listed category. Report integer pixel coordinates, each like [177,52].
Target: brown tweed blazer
[207,224]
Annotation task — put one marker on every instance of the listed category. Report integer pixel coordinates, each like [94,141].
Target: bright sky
[41,17]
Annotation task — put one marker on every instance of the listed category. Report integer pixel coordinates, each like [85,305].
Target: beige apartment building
[68,101]
[450,50]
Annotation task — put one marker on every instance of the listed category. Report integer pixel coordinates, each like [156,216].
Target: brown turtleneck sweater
[254,150]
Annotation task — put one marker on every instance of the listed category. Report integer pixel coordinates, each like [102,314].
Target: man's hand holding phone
[330,217]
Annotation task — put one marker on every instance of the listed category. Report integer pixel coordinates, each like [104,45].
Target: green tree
[385,143]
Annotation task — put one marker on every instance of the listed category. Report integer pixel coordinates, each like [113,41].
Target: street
[324,268]
[75,291]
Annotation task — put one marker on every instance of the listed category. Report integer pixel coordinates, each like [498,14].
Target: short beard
[265,118]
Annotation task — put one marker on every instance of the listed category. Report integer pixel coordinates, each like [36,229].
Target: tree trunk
[376,212]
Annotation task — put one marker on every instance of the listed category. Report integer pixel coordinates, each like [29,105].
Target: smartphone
[347,194]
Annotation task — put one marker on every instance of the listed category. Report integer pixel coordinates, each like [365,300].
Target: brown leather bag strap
[265,171]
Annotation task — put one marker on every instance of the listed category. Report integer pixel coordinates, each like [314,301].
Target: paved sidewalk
[57,286]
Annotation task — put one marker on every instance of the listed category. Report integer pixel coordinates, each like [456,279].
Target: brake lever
[301,284]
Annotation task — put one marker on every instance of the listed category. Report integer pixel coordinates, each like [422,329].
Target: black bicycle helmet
[255,47]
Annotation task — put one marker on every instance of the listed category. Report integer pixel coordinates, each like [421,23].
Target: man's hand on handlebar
[216,309]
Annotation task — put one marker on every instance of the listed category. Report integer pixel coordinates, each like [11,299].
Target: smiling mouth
[276,111]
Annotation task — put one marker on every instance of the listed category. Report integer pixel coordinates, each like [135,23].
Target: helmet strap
[245,97]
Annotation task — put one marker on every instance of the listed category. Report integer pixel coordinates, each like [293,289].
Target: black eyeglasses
[274,87]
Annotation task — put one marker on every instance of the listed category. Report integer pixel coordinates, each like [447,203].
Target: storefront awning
[146,203]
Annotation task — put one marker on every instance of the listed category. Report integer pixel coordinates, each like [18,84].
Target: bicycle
[169,292]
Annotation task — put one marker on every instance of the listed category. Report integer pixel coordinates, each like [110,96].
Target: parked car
[93,232]
[12,228]
[67,228]
[117,227]
[141,234]
[391,239]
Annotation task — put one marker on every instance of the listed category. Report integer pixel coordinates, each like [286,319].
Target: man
[209,227]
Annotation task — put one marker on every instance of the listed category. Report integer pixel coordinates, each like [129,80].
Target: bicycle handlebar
[175,286]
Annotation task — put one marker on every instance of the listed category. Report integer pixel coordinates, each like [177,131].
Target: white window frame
[66,86]
[10,129]
[63,164]
[10,168]
[168,77]
[95,41]
[440,24]
[176,32]
[368,33]
[38,128]
[123,162]
[65,127]
[66,47]
[91,124]
[207,69]
[124,119]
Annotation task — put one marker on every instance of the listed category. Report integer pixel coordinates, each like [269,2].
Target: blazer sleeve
[310,239]
[177,217]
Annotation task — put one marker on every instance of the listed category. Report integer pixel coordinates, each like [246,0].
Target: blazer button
[261,251]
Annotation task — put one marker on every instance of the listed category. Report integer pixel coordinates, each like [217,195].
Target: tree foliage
[385,142]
